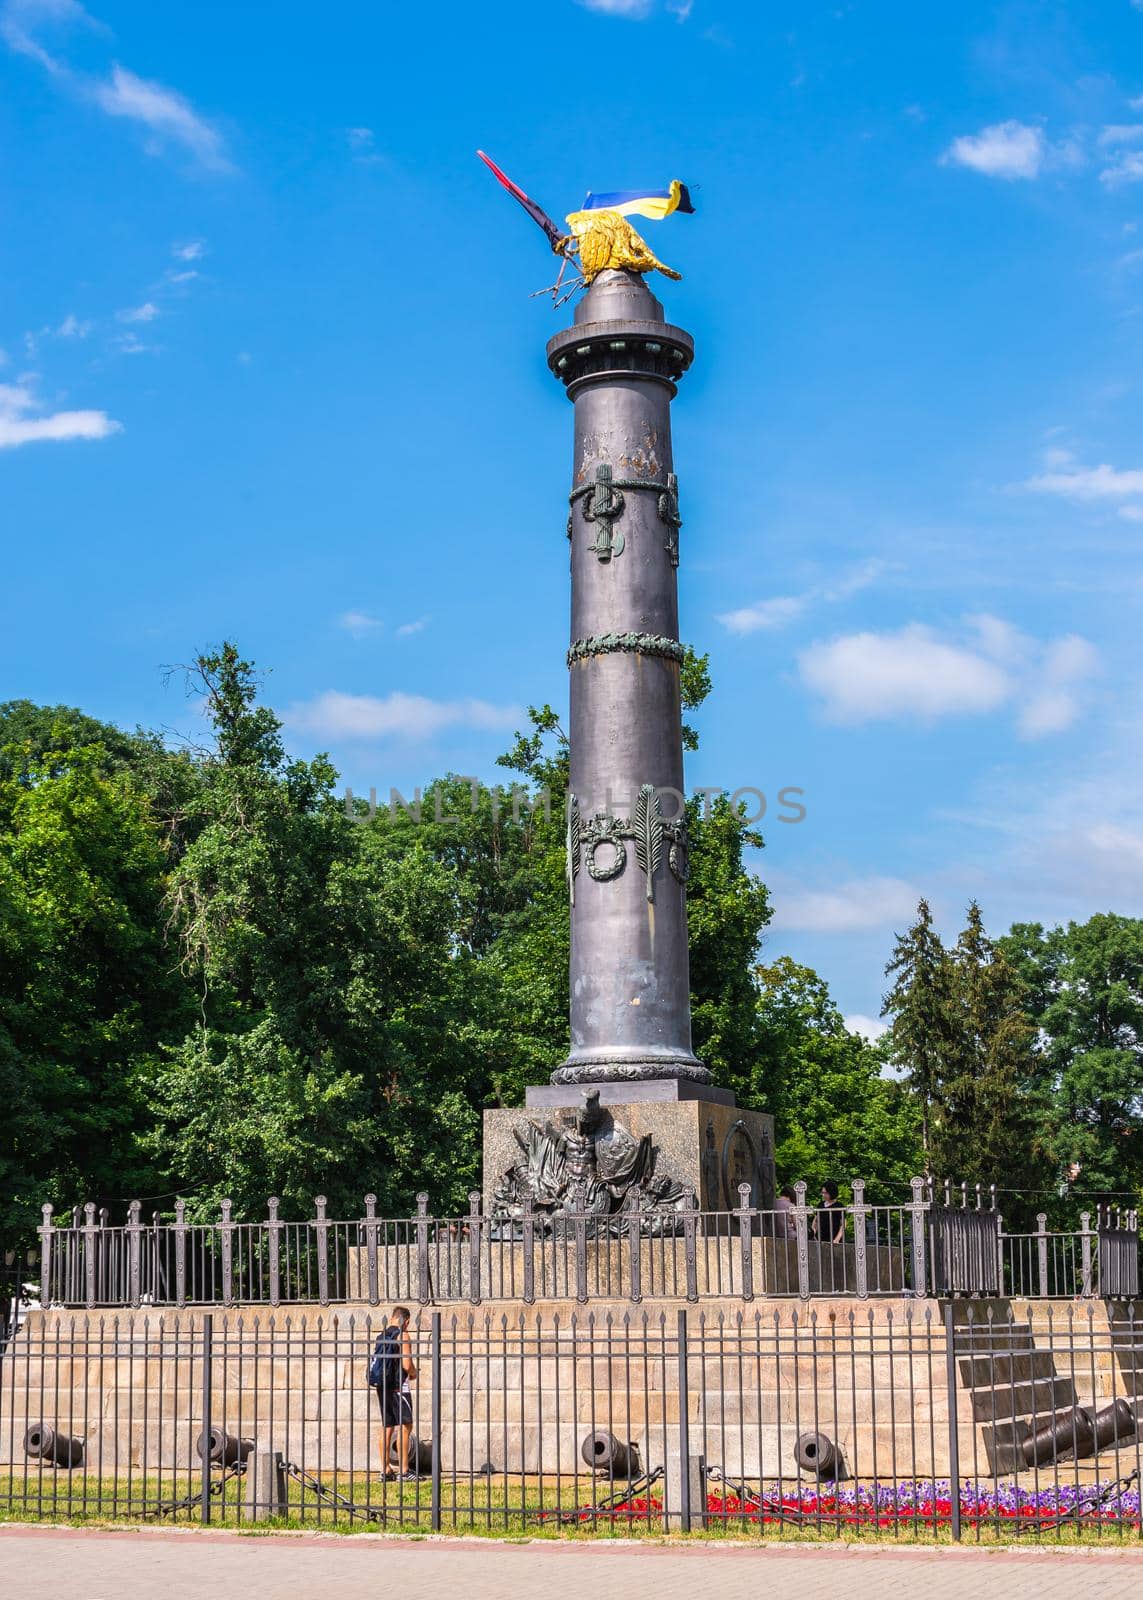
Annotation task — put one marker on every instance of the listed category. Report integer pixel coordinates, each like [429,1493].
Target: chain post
[424,1283]
[745,1214]
[528,1221]
[802,1236]
[46,1263]
[371,1275]
[474,1229]
[180,1253]
[860,1261]
[1042,1252]
[321,1229]
[918,1208]
[274,1246]
[225,1227]
[690,1246]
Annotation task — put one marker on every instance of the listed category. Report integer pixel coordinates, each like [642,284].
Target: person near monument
[829,1223]
[785,1226]
[391,1372]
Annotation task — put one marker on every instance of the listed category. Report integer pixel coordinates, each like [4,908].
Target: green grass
[497,1509]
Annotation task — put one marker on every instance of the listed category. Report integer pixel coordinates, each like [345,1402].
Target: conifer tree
[920,1004]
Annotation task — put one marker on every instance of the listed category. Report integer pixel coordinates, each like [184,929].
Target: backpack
[385,1362]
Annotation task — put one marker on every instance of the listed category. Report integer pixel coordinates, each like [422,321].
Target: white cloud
[358,622]
[21,20]
[1122,133]
[335,715]
[620,8]
[192,250]
[782,609]
[1055,843]
[911,673]
[168,114]
[408,628]
[852,907]
[130,344]
[916,674]
[23,421]
[775,613]
[147,312]
[72,328]
[1127,167]
[1005,150]
[1089,484]
[1053,703]
[360,138]
[870,1028]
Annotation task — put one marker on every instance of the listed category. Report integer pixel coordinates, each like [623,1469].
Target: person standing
[829,1224]
[785,1225]
[392,1373]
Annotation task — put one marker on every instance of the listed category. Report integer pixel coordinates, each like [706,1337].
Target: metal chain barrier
[611,1505]
[168,1508]
[324,1492]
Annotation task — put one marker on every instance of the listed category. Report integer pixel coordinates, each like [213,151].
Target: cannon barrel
[420,1455]
[817,1453]
[224,1449]
[48,1445]
[1068,1431]
[603,1452]
[1115,1421]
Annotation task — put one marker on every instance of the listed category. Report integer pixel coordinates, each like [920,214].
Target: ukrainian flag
[653,203]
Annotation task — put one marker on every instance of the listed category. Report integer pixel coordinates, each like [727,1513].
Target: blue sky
[271,372]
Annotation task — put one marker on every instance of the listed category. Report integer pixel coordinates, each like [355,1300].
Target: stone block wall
[522,1386]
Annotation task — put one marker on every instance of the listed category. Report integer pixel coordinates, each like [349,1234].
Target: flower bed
[925,1503]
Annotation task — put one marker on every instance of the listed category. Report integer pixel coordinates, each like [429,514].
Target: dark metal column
[630,989]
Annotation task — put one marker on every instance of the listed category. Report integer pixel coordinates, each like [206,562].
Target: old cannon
[420,1456]
[1080,1432]
[57,1448]
[603,1452]
[817,1453]
[223,1449]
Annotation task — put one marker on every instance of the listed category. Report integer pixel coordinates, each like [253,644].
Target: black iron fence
[926,1423]
[942,1242]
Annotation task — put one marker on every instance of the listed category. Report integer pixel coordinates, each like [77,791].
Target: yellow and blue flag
[653,203]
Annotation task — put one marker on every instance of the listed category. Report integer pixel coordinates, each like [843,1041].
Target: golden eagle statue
[600,235]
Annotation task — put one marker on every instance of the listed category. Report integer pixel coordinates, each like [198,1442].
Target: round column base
[636,1070]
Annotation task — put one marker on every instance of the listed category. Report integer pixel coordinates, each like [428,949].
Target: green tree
[836,1115]
[990,1114]
[1086,987]
[329,1055]
[920,1006]
[87,988]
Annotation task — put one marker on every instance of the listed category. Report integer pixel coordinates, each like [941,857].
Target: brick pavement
[185,1566]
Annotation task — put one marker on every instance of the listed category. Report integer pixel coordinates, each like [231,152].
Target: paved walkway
[185,1566]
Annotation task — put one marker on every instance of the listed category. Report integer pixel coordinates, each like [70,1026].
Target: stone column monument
[631,1119]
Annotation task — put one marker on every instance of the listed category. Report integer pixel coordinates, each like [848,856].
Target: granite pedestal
[699,1136]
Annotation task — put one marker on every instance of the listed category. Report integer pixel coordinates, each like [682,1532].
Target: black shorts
[396,1407]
